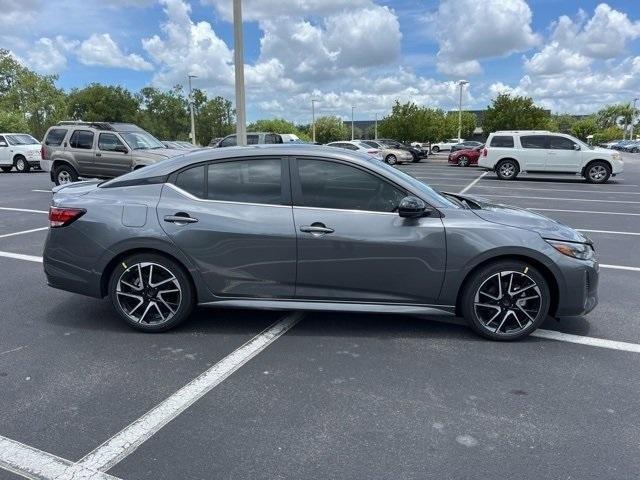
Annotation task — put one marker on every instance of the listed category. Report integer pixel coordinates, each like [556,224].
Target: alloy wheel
[597,173]
[64,177]
[507,302]
[21,165]
[463,161]
[148,293]
[507,169]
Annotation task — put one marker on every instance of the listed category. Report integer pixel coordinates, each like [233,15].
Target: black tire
[463,161]
[21,164]
[507,169]
[475,308]
[176,306]
[64,171]
[416,158]
[391,159]
[597,172]
[6,169]
[435,149]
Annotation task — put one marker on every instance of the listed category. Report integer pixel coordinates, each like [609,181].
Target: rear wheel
[435,149]
[64,174]
[463,161]
[391,159]
[506,300]
[507,169]
[597,172]
[7,169]
[152,293]
[21,164]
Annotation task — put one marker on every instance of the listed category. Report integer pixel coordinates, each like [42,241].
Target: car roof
[513,132]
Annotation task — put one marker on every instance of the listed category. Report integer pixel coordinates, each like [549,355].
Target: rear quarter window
[55,137]
[502,141]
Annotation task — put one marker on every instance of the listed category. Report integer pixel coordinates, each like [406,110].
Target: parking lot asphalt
[337,395]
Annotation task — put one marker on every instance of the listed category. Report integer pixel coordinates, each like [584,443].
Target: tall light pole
[633,114]
[193,119]
[375,131]
[461,84]
[238,47]
[353,131]
[313,120]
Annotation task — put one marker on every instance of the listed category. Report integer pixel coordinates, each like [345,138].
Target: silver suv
[99,150]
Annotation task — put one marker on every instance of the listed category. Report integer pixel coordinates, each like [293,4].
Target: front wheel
[391,159]
[507,170]
[506,300]
[463,161]
[435,149]
[152,293]
[597,172]
[64,174]
[21,164]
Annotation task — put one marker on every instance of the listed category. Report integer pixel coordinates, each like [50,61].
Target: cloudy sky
[570,55]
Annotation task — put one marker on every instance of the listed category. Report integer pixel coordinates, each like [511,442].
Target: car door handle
[316,229]
[180,218]
[98,154]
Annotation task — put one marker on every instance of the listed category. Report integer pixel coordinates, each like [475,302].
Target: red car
[464,158]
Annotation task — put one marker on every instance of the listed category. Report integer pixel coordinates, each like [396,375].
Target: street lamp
[375,131]
[461,84]
[238,48]
[352,125]
[193,121]
[313,120]
[633,114]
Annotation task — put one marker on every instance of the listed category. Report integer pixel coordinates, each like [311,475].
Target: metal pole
[352,127]
[238,47]
[633,113]
[313,120]
[376,128]
[462,83]
[193,120]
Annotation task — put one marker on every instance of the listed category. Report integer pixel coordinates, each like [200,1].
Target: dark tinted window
[252,139]
[229,142]
[109,142]
[560,143]
[192,181]
[348,146]
[502,141]
[252,181]
[2,139]
[272,138]
[55,137]
[334,185]
[371,144]
[534,141]
[81,139]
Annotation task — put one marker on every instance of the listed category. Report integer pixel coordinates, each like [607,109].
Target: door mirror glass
[412,207]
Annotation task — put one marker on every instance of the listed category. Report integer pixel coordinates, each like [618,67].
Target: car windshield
[141,140]
[21,139]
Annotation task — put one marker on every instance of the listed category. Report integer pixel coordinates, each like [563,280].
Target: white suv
[19,150]
[513,152]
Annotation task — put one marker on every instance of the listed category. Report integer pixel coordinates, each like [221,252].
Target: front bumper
[580,294]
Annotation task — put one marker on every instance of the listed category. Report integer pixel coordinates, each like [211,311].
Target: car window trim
[229,202]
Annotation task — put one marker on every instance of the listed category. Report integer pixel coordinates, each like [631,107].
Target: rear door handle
[316,229]
[184,218]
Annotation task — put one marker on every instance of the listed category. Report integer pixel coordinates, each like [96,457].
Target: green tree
[509,112]
[607,134]
[331,129]
[611,115]
[12,122]
[102,103]
[562,123]
[164,113]
[216,118]
[452,122]
[584,127]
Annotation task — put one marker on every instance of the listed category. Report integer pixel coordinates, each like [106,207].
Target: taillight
[42,152]
[484,152]
[63,216]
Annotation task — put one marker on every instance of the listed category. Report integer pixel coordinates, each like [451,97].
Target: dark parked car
[465,158]
[310,228]
[466,145]
[418,153]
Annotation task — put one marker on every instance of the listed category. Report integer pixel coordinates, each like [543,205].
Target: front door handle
[316,229]
[98,154]
[180,218]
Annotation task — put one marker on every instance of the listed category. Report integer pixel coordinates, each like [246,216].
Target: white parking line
[609,232]
[563,199]
[27,210]
[473,183]
[620,267]
[575,190]
[20,256]
[35,464]
[42,191]
[581,211]
[23,232]
[131,437]
[591,341]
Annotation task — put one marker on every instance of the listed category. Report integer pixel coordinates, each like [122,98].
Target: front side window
[326,184]
[55,137]
[229,142]
[561,143]
[250,181]
[81,139]
[502,141]
[534,141]
[110,142]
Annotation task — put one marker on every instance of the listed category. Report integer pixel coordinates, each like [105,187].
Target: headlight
[615,156]
[582,251]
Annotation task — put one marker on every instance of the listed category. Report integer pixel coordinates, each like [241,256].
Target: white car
[509,153]
[19,150]
[389,154]
[357,146]
[446,145]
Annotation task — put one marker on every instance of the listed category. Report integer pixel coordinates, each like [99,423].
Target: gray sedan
[310,228]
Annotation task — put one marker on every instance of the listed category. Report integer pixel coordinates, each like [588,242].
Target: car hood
[523,218]
[158,154]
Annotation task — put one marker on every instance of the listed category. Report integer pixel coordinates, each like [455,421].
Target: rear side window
[534,141]
[560,143]
[192,181]
[502,141]
[82,139]
[251,181]
[253,139]
[229,142]
[55,137]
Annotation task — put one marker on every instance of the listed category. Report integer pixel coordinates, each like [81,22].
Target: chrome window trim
[344,210]
[228,202]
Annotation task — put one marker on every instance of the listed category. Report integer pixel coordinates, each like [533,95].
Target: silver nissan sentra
[303,227]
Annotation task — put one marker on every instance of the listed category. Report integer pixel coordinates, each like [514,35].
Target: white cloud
[491,28]
[554,59]
[605,35]
[255,10]
[101,50]
[48,55]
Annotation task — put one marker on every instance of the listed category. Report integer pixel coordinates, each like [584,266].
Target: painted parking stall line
[581,211]
[25,210]
[473,183]
[21,256]
[591,341]
[608,232]
[23,232]
[131,437]
[597,200]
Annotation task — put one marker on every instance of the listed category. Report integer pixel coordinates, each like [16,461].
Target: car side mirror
[121,149]
[412,207]
[576,146]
